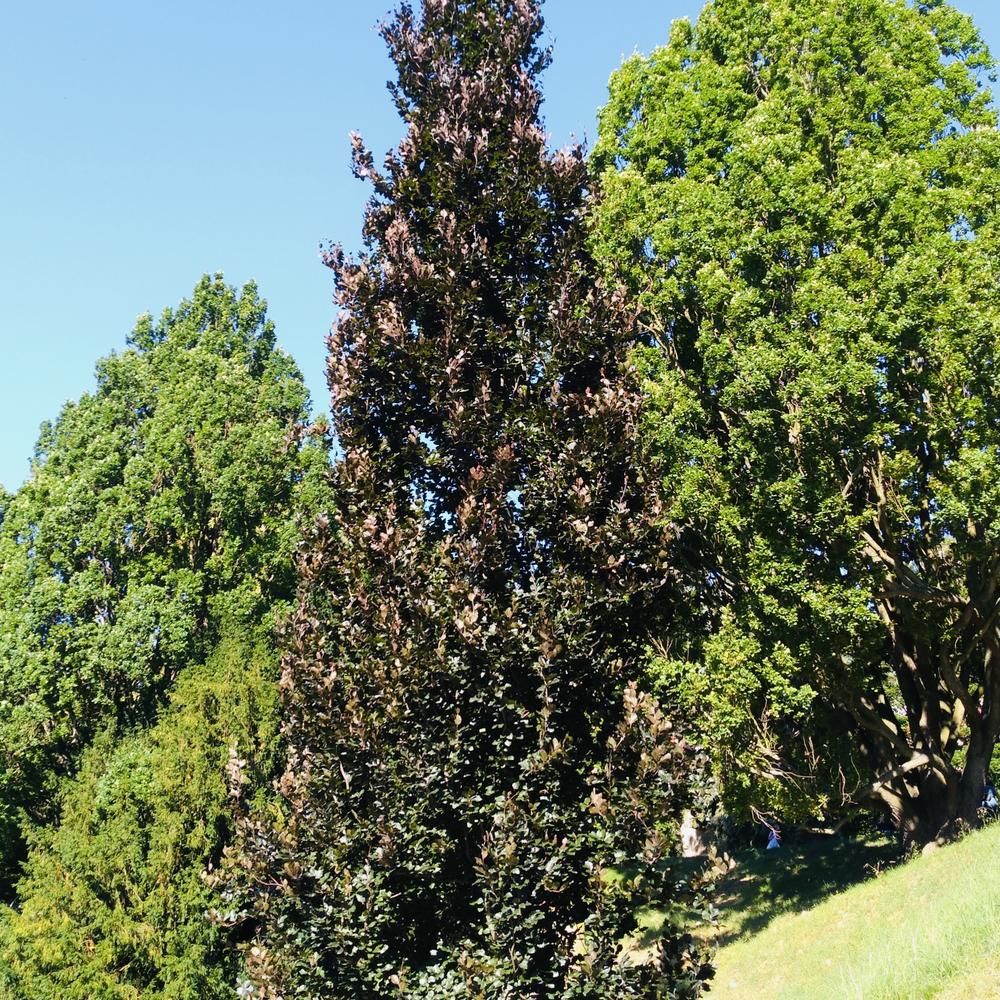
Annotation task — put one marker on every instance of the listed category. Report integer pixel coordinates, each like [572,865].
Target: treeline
[662,480]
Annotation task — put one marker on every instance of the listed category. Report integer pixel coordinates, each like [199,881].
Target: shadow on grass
[765,884]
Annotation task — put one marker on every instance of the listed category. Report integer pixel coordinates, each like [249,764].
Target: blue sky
[142,145]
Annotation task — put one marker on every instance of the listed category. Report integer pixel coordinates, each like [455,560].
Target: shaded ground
[925,930]
[766,884]
[796,877]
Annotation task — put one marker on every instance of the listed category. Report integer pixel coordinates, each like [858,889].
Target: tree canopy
[804,197]
[687,453]
[113,901]
[471,756]
[161,516]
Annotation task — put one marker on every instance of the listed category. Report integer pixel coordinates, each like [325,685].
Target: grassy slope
[927,929]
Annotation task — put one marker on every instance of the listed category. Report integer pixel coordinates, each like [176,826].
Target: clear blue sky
[142,145]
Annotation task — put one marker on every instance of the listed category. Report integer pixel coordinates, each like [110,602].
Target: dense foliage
[804,196]
[471,757]
[708,457]
[113,903]
[160,514]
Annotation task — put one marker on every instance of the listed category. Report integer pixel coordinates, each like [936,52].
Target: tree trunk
[937,805]
[928,809]
[973,782]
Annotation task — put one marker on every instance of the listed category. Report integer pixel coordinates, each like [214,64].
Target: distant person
[990,801]
[692,841]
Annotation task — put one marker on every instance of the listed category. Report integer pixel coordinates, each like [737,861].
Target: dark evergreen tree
[471,758]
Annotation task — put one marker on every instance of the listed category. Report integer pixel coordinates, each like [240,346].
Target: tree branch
[891,774]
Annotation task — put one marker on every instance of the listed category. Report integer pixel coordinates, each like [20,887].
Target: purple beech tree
[479,795]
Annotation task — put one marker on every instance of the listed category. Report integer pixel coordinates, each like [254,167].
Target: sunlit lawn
[926,929]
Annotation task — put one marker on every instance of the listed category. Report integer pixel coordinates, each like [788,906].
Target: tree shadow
[797,876]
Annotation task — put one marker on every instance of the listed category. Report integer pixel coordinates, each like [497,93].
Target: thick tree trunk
[928,808]
[931,725]
[973,782]
[937,804]
[932,738]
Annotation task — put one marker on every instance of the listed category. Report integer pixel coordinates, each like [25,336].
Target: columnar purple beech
[478,794]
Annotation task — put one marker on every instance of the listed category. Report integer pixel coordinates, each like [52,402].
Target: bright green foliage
[113,901]
[804,195]
[158,505]
[159,521]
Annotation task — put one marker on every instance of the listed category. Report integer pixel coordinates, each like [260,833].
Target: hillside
[926,929]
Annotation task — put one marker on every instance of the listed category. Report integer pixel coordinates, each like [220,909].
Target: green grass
[766,884]
[926,929]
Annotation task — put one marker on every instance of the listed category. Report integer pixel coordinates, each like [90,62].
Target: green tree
[804,196]
[470,754]
[113,902]
[160,517]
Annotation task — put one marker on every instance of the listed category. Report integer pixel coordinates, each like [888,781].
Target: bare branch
[890,775]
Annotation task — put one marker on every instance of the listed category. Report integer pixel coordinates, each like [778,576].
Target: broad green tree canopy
[804,196]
